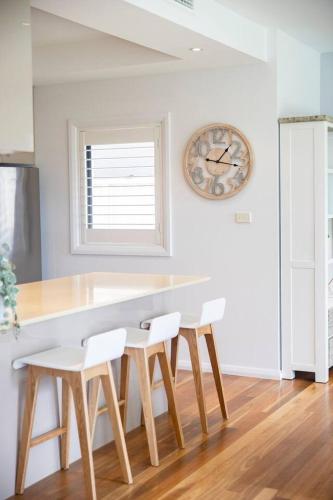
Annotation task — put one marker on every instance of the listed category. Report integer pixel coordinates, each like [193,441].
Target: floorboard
[277,444]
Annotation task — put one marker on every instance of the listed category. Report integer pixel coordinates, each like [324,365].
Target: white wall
[241,259]
[298,77]
[326,99]
[16,124]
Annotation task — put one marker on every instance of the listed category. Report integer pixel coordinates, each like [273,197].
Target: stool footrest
[184,381]
[104,409]
[59,431]
[160,383]
[157,384]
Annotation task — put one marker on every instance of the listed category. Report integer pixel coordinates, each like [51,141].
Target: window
[119,189]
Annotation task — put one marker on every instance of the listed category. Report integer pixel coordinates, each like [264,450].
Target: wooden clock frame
[187,175]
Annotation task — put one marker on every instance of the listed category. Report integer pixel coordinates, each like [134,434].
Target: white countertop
[43,300]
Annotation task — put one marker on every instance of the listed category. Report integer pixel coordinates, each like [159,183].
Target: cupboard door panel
[303,319]
[302,195]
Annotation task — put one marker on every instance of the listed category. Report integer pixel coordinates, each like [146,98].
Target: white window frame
[78,245]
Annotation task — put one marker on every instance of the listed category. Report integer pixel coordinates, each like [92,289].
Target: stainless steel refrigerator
[20,219]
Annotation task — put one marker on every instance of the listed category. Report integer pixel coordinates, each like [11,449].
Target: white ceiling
[95,39]
[80,40]
[310,21]
[48,29]
[67,51]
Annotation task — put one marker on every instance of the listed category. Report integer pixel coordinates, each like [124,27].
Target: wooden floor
[277,444]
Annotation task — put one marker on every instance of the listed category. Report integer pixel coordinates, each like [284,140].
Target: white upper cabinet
[16,124]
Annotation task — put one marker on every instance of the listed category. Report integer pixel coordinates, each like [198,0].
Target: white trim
[78,245]
[116,249]
[242,371]
[303,367]
[288,374]
[320,238]
[285,252]
[303,264]
[74,198]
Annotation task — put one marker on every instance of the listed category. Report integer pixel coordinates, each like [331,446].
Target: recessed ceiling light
[196,49]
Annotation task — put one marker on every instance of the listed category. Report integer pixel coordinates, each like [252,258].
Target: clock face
[218,161]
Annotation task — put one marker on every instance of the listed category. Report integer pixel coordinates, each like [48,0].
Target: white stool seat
[59,358]
[98,349]
[211,311]
[161,328]
[187,321]
[164,327]
[190,321]
[137,338]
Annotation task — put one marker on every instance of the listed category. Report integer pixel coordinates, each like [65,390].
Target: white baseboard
[243,371]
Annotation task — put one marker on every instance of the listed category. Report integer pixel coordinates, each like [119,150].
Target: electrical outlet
[243,217]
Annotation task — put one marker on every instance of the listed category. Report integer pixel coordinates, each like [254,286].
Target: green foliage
[8,289]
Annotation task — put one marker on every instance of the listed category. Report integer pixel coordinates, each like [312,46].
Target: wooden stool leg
[123,393]
[192,339]
[65,422]
[110,394]
[145,392]
[174,357]
[78,386]
[210,341]
[93,400]
[28,419]
[151,364]
[170,392]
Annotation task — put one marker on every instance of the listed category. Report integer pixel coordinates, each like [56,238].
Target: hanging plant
[8,291]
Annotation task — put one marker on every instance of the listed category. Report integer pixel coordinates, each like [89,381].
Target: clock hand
[225,151]
[227,163]
[224,162]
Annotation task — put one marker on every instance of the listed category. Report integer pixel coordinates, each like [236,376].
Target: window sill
[114,249]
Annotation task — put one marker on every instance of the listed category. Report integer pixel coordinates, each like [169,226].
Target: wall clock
[218,161]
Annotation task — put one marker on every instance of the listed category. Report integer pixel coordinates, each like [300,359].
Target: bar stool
[142,345]
[75,366]
[192,328]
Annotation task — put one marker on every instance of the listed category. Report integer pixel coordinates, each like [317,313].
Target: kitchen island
[64,311]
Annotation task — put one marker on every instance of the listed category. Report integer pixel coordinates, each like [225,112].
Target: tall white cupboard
[306,169]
